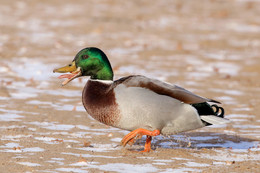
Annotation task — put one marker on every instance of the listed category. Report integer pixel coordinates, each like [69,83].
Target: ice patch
[198,75]
[56,160]
[64,92]
[10,117]
[4,98]
[99,148]
[14,137]
[203,138]
[91,156]
[12,127]
[243,28]
[23,94]
[60,127]
[57,106]
[10,145]
[116,139]
[229,156]
[228,144]
[52,125]
[219,163]
[47,140]
[242,109]
[184,170]
[239,116]
[194,164]
[242,126]
[80,135]
[228,92]
[81,163]
[78,170]
[33,149]
[29,164]
[30,68]
[162,162]
[82,127]
[127,168]
[226,100]
[206,70]
[178,158]
[159,163]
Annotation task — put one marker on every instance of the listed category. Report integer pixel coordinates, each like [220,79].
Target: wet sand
[211,48]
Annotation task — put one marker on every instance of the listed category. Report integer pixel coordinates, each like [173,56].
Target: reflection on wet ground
[210,49]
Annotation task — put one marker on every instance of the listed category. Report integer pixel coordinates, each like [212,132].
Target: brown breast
[99,100]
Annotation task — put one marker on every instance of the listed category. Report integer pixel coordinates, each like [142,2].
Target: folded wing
[162,88]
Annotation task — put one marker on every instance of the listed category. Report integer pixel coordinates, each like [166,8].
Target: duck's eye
[85,56]
[70,65]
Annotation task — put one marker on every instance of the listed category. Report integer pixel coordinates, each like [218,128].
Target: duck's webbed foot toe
[131,137]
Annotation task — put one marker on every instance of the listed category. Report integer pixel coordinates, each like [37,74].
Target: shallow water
[211,48]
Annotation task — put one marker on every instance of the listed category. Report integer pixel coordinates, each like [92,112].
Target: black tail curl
[207,109]
[219,111]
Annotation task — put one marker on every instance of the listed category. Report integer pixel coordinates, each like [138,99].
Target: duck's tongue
[70,76]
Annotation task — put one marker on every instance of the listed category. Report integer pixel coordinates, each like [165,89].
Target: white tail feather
[212,119]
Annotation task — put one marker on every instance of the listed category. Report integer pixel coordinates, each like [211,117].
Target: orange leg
[147,146]
[130,137]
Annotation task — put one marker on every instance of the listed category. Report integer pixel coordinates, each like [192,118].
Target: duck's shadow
[199,140]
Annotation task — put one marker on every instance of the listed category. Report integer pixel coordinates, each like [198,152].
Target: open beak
[74,72]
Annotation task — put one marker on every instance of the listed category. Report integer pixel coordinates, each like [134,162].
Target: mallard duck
[137,103]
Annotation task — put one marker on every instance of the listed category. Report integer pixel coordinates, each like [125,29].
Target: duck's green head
[91,62]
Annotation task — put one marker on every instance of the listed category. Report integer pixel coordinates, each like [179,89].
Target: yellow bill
[71,68]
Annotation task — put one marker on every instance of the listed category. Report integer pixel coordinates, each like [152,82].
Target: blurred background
[211,48]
